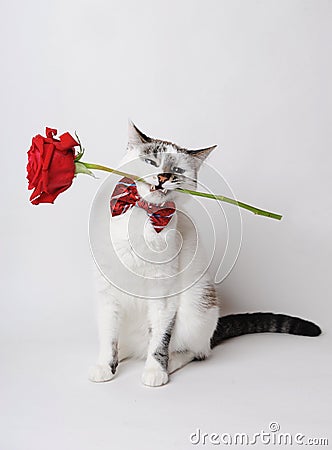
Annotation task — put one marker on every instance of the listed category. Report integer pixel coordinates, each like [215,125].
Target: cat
[165,307]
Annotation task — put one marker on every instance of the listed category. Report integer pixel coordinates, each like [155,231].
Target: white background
[251,76]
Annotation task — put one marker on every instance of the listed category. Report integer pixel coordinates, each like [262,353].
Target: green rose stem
[221,198]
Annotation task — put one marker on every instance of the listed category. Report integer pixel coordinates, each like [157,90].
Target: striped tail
[239,324]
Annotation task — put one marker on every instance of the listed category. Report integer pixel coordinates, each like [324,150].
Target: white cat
[164,308]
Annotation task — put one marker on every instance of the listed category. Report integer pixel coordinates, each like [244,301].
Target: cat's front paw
[100,373]
[154,377]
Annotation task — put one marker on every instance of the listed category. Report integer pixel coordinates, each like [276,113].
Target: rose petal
[50,132]
[66,142]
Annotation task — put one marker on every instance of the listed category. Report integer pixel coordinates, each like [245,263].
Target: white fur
[172,281]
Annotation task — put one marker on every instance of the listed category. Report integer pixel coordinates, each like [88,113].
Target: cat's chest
[140,246]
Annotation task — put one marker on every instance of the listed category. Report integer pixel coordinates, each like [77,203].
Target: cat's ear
[135,136]
[201,154]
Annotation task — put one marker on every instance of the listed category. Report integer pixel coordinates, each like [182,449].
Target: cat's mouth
[159,188]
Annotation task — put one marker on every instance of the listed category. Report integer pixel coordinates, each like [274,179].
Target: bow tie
[125,196]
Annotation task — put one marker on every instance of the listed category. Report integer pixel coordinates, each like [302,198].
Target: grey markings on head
[152,146]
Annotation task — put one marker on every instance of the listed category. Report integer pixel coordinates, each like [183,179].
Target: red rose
[51,166]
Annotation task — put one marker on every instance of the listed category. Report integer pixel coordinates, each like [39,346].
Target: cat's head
[163,165]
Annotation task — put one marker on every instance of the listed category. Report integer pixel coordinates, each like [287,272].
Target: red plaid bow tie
[125,196]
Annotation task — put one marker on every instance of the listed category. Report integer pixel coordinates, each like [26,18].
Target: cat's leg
[196,321]
[108,330]
[161,318]
[177,360]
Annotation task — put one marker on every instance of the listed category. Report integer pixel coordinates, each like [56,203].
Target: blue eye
[178,170]
[151,162]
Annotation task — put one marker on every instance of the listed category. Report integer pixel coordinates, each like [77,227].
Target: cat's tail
[239,324]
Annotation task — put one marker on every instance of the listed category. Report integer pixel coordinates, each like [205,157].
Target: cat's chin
[153,188]
[160,196]
[153,195]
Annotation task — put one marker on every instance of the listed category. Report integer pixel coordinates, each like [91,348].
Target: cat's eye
[178,170]
[150,161]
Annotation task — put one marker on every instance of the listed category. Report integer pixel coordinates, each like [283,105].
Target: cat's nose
[162,177]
